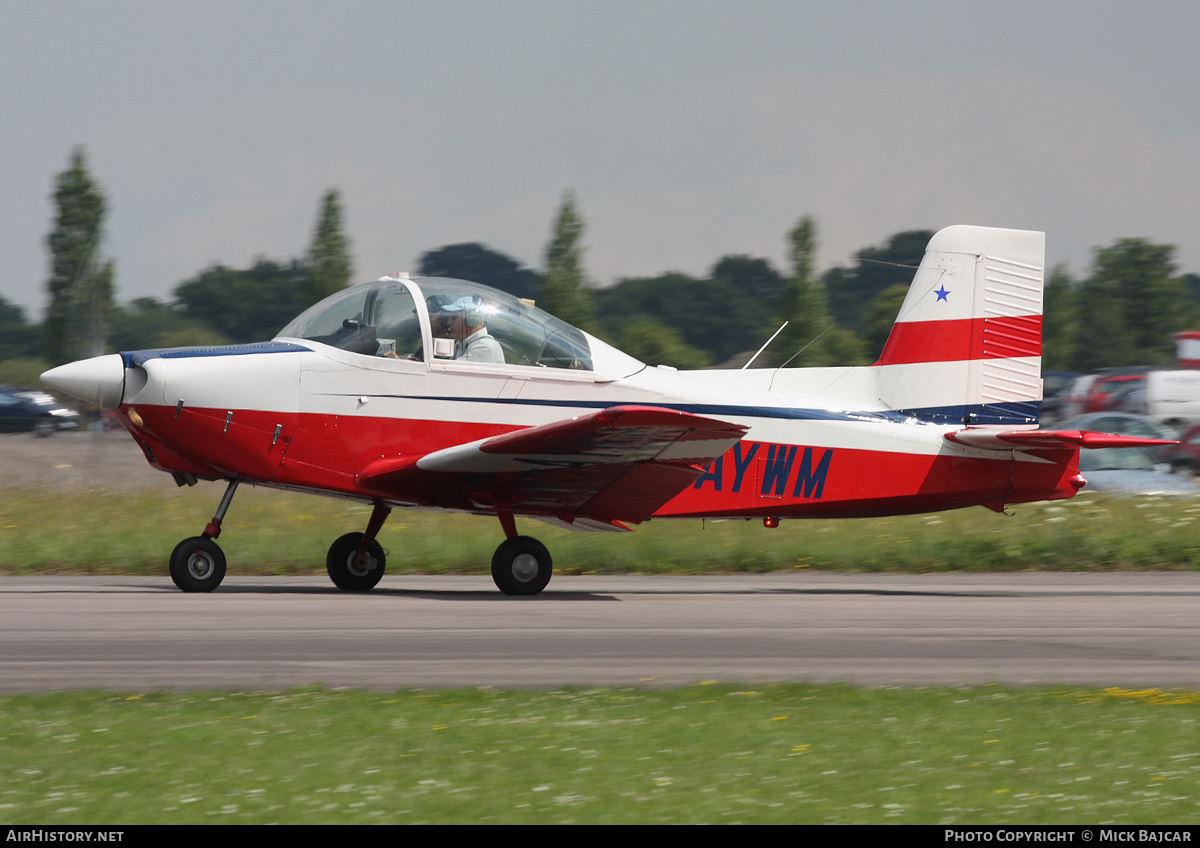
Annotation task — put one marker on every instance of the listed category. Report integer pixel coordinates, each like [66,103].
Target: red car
[1114,391]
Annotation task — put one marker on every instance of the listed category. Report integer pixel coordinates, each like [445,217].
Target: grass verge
[269,532]
[717,754]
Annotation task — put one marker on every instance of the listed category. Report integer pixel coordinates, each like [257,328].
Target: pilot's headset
[470,309]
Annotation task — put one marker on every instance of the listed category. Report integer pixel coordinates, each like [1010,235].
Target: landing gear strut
[198,564]
[355,562]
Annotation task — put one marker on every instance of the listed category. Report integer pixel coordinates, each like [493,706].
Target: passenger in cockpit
[463,321]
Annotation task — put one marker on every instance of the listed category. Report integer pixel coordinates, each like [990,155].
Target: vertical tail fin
[967,345]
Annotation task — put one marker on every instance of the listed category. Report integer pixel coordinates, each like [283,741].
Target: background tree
[479,263]
[1191,285]
[804,307]
[654,344]
[753,278]
[147,323]
[564,290]
[711,316]
[17,338]
[1059,321]
[245,306]
[1129,307]
[851,290]
[800,305]
[881,315]
[81,282]
[330,268]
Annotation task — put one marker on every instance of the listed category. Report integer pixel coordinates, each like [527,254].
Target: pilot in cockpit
[462,320]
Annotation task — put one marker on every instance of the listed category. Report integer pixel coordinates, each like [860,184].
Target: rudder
[966,347]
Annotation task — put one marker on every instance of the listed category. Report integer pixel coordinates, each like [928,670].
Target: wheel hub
[525,567]
[368,565]
[200,565]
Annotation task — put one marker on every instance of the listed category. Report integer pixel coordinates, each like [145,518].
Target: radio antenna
[797,353]
[764,347]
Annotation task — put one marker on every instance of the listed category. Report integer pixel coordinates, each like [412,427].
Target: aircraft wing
[619,464]
[981,437]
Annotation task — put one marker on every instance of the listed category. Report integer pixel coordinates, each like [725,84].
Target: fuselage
[297,414]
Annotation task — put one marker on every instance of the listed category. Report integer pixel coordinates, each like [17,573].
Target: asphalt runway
[134,634]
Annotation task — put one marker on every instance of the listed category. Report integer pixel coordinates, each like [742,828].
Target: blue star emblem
[941,293]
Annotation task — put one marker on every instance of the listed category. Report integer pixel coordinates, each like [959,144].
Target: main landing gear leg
[198,564]
[355,562]
[521,565]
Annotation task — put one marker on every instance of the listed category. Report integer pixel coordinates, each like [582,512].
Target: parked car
[1184,457]
[31,410]
[1056,385]
[1121,423]
[1168,395]
[1075,402]
[1124,424]
[1113,391]
[1133,471]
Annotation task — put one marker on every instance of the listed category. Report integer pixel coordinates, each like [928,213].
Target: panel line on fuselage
[1011,413]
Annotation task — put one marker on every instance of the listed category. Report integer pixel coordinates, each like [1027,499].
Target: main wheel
[346,573]
[197,565]
[521,566]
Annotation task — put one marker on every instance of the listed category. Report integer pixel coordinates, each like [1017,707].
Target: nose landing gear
[198,564]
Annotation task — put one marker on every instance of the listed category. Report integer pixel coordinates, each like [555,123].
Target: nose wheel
[521,566]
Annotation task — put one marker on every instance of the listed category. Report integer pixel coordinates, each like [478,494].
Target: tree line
[1124,311]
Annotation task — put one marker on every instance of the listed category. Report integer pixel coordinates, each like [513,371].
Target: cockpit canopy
[437,318]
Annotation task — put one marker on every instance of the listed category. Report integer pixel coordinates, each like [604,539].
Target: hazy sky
[688,129]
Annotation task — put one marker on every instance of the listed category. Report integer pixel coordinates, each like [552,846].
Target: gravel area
[81,460]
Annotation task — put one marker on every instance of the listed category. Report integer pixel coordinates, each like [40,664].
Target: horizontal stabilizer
[1031,439]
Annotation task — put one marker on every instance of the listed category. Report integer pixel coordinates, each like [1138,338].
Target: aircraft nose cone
[99,380]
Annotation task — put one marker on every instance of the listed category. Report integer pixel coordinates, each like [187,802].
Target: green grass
[269,532]
[783,754]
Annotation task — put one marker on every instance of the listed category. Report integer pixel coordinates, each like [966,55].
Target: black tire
[197,565]
[343,571]
[521,566]
[44,427]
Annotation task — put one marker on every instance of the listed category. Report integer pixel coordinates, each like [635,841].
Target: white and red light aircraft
[433,393]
